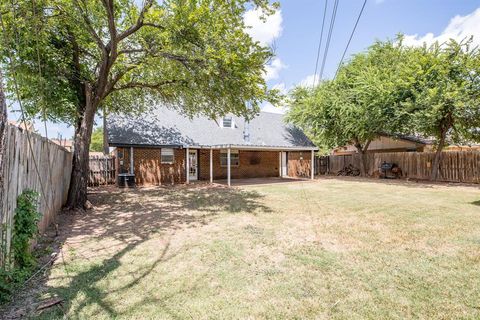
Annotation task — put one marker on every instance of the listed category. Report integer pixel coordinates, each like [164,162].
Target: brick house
[165,147]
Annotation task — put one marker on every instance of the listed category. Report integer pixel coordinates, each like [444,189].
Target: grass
[326,249]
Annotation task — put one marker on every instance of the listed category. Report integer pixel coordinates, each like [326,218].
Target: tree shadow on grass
[476,203]
[124,220]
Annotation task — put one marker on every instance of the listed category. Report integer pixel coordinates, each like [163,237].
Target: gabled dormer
[227,122]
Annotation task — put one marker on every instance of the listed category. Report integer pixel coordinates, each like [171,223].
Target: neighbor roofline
[410,138]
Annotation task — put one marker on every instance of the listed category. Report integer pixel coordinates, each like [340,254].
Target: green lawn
[325,249]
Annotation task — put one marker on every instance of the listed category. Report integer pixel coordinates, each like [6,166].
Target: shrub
[24,229]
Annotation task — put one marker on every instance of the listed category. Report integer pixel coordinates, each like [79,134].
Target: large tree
[359,104]
[71,58]
[446,94]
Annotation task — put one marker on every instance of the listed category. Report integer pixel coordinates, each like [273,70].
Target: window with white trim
[227,122]
[234,158]
[166,155]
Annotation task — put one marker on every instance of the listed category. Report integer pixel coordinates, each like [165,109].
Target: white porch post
[280,164]
[187,166]
[131,160]
[228,166]
[211,165]
[312,165]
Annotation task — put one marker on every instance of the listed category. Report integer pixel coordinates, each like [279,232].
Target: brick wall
[299,164]
[148,167]
[253,164]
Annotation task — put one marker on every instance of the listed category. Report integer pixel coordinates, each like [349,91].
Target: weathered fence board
[20,173]
[455,166]
[102,171]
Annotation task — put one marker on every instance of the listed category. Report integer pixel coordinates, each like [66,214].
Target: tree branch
[367,144]
[108,4]
[89,25]
[111,84]
[153,86]
[134,28]
[153,25]
[129,51]
[179,58]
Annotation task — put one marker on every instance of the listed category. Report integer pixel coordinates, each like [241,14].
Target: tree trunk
[3,132]
[363,172]
[363,160]
[105,140]
[77,193]
[438,155]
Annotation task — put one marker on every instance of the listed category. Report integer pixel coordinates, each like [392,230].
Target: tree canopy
[361,102]
[446,96]
[67,59]
[431,91]
[97,140]
[193,55]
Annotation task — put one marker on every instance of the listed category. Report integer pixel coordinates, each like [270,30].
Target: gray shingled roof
[162,126]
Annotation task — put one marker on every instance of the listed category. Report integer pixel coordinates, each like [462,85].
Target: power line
[351,36]
[327,45]
[23,113]
[320,42]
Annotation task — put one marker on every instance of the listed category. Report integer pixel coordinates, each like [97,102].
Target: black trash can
[126,180]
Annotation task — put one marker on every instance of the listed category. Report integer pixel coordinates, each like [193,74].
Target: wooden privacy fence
[102,171]
[54,164]
[455,166]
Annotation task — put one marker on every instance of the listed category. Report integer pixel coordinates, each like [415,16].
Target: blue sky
[295,31]
[421,20]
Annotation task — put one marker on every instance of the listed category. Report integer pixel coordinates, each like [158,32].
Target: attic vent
[227,122]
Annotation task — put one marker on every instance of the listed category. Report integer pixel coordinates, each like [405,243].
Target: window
[234,158]
[227,122]
[166,155]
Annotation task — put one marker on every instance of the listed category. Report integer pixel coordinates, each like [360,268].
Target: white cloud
[268,107]
[272,70]
[266,31]
[308,81]
[459,28]
[280,87]
[263,31]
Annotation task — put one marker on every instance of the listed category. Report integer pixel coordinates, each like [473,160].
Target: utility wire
[320,43]
[44,113]
[23,113]
[327,45]
[351,36]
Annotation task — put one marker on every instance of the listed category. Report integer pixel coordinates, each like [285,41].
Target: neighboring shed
[390,143]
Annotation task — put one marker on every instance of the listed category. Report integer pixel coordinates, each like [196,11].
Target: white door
[284,164]
[193,165]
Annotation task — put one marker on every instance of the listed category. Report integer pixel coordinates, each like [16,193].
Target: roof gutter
[146,145]
[222,146]
[251,147]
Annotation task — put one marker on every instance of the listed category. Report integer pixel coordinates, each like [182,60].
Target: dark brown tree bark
[77,194]
[362,150]
[438,156]
[445,125]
